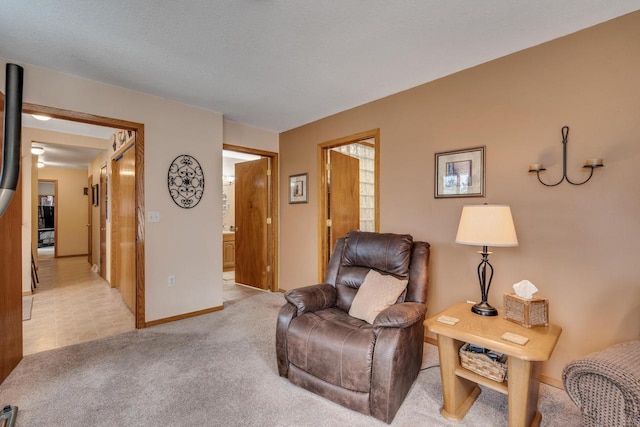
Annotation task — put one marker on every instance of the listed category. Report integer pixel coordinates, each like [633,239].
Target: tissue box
[526,312]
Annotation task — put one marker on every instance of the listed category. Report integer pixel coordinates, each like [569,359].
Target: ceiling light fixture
[37,150]
[41,117]
[40,164]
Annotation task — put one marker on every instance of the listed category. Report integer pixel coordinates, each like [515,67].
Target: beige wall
[181,244]
[71,209]
[578,244]
[235,133]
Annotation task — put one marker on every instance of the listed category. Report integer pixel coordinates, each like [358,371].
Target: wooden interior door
[10,277]
[344,196]
[124,233]
[90,222]
[251,212]
[103,223]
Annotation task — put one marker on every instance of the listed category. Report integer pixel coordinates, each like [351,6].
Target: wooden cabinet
[228,251]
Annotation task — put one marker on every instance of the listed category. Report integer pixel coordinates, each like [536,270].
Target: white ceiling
[65,156]
[277,64]
[230,158]
[66,126]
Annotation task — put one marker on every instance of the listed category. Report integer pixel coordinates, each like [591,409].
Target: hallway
[72,304]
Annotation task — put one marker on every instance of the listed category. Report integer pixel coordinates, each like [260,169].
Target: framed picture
[95,195]
[299,188]
[460,173]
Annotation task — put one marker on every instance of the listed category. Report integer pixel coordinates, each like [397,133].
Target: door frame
[138,128]
[116,238]
[55,213]
[323,188]
[272,231]
[102,251]
[90,221]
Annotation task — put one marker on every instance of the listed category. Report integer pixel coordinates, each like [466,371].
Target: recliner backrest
[395,254]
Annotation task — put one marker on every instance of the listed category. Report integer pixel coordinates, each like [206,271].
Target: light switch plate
[153,216]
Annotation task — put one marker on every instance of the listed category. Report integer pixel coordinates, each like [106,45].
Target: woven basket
[482,364]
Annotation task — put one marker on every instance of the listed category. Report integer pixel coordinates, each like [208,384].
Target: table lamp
[486,225]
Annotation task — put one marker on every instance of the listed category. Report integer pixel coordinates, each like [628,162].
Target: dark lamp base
[484,309]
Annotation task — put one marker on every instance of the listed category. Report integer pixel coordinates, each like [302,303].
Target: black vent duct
[12,135]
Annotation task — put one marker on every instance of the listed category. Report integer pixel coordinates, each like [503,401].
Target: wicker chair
[605,385]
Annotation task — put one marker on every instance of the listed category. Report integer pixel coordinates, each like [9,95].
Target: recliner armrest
[605,385]
[400,315]
[312,298]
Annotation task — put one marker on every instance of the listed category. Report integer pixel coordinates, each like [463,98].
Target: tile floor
[233,291]
[72,304]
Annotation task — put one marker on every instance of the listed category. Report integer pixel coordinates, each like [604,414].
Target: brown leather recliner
[365,367]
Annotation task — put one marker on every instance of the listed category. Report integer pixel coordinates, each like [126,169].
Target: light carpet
[217,369]
[27,304]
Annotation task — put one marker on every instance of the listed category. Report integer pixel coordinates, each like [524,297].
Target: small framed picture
[299,188]
[460,173]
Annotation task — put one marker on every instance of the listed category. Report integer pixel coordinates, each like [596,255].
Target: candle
[593,162]
[535,167]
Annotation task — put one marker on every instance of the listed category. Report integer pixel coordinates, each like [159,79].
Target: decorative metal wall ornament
[590,163]
[186,181]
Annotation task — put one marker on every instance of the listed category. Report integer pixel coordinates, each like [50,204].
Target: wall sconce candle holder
[590,163]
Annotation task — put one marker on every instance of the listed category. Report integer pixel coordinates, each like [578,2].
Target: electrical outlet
[172,281]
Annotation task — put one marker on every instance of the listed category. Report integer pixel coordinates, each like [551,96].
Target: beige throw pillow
[376,293]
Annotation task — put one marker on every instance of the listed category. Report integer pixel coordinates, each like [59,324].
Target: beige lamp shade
[486,225]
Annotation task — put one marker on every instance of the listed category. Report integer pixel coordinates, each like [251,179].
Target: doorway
[47,218]
[84,305]
[349,189]
[138,187]
[250,220]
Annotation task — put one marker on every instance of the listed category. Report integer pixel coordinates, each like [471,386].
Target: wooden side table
[460,386]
